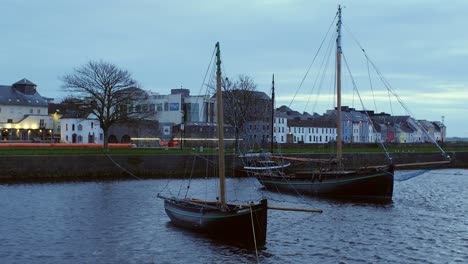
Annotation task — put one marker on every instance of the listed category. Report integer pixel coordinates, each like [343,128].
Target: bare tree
[107,91]
[242,103]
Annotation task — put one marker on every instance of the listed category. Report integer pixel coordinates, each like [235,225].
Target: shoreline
[64,168]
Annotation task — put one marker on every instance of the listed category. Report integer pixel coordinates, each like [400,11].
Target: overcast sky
[421,47]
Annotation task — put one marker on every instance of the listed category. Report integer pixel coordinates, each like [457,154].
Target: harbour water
[124,222]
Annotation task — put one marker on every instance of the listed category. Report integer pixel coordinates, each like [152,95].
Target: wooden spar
[339,151]
[417,164]
[272,113]
[303,159]
[269,206]
[219,99]
[294,209]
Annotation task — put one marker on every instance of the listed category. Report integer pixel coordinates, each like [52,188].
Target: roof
[9,95]
[310,123]
[24,81]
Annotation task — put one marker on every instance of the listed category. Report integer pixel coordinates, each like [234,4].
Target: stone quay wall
[101,167]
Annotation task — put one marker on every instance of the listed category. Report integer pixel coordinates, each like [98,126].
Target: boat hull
[364,183]
[236,225]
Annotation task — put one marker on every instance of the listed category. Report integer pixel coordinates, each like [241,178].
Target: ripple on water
[122,222]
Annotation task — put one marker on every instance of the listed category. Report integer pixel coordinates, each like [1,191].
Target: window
[41,123]
[80,127]
[73,127]
[38,111]
[10,121]
[66,128]
[159,107]
[166,106]
[92,125]
[31,111]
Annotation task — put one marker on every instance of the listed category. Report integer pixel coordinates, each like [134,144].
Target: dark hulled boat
[243,224]
[334,179]
[373,182]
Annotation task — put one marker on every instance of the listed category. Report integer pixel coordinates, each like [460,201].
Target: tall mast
[339,147]
[272,113]
[219,99]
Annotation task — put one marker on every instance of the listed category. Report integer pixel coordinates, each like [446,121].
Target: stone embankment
[100,167]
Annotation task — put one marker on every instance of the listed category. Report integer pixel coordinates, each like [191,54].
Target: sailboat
[329,177]
[242,224]
[262,162]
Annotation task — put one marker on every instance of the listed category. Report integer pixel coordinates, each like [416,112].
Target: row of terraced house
[25,116]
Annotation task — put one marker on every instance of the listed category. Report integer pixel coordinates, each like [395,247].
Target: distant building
[180,107]
[24,113]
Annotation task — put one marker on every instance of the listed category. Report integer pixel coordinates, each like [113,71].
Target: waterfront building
[80,130]
[24,113]
[312,131]
[280,127]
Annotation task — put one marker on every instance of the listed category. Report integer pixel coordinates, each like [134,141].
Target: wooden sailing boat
[243,224]
[262,162]
[333,179]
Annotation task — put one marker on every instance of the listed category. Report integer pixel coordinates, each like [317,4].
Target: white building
[312,131]
[24,112]
[280,128]
[81,130]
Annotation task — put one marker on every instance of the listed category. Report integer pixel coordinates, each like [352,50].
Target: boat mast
[339,146]
[272,113]
[219,99]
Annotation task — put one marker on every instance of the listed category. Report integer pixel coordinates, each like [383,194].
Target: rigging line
[322,69]
[325,70]
[191,176]
[367,60]
[313,60]
[392,91]
[370,82]
[122,168]
[207,70]
[363,106]
[390,101]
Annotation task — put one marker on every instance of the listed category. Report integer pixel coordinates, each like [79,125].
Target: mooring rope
[253,232]
[122,168]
